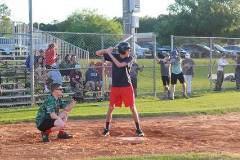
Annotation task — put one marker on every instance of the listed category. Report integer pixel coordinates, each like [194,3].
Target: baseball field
[205,126]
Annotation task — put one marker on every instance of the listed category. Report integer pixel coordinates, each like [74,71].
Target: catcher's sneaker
[106,132]
[139,133]
[45,137]
[64,135]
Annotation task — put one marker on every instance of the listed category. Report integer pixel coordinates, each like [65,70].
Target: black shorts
[165,80]
[46,124]
[175,77]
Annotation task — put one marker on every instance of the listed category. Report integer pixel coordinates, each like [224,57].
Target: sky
[48,10]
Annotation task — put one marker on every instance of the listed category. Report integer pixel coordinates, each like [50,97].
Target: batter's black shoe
[106,132]
[139,133]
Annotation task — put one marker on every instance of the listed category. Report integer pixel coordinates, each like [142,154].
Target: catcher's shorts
[119,95]
[46,124]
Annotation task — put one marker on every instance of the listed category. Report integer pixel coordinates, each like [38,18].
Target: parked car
[198,50]
[150,46]
[233,48]
[221,49]
[142,52]
[5,50]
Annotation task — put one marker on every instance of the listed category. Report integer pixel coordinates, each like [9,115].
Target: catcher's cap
[123,46]
[55,86]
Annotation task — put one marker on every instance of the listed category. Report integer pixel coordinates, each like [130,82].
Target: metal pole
[31,52]
[154,64]
[210,61]
[102,42]
[172,38]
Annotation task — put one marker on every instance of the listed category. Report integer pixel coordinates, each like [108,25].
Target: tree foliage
[5,22]
[200,18]
[195,18]
[86,21]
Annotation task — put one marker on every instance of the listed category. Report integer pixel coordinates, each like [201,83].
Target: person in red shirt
[51,55]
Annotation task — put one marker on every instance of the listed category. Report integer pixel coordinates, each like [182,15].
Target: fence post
[172,41]
[103,70]
[154,64]
[31,52]
[210,61]
[102,41]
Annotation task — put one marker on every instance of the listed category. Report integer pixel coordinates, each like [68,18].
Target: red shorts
[119,95]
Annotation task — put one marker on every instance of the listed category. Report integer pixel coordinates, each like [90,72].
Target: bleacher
[15,78]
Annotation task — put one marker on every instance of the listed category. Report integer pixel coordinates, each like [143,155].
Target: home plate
[133,140]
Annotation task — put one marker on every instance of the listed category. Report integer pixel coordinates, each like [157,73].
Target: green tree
[87,21]
[5,22]
[199,18]
[146,24]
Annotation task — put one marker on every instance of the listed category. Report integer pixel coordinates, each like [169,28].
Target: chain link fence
[206,52]
[16,77]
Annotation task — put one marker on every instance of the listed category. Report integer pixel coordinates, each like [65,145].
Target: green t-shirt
[49,106]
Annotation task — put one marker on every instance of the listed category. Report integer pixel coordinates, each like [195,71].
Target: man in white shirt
[222,62]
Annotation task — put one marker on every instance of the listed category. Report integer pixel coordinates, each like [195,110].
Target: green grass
[204,103]
[192,156]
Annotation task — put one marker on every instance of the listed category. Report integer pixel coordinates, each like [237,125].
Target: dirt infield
[163,135]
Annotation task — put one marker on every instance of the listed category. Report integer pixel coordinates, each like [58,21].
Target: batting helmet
[123,46]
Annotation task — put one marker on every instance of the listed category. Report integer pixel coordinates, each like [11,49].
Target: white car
[141,52]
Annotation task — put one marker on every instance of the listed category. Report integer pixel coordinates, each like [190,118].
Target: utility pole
[130,20]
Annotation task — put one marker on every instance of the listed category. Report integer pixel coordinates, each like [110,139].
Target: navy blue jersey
[120,76]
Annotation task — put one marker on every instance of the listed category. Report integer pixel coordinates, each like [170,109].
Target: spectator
[164,62]
[54,75]
[177,74]
[237,71]
[74,61]
[41,56]
[108,74]
[92,78]
[99,68]
[188,72]
[49,118]
[40,70]
[134,74]
[51,56]
[65,66]
[28,62]
[222,62]
[76,80]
